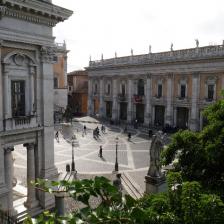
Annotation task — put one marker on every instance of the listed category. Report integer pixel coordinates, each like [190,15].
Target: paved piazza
[133,156]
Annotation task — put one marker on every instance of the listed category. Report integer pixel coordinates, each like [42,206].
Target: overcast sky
[108,26]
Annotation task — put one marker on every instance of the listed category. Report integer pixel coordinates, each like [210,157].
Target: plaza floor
[133,156]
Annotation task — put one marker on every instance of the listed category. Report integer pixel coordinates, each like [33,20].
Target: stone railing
[180,99]
[168,56]
[20,123]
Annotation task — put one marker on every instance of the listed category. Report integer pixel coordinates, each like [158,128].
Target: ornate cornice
[34,11]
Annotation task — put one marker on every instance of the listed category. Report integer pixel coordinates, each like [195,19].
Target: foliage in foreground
[201,154]
[183,203]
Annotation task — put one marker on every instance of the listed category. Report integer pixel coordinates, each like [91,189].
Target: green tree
[184,203]
[199,156]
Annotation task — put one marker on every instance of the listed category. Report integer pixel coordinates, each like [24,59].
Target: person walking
[101,152]
[129,136]
[84,129]
[57,136]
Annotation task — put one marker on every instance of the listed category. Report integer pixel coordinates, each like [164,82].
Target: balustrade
[20,123]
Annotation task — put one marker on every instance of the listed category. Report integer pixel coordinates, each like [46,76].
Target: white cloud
[106,26]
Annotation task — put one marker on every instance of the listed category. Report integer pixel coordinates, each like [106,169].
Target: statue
[132,52]
[197,42]
[155,151]
[150,49]
[171,47]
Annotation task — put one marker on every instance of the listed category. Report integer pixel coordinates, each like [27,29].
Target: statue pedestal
[155,184]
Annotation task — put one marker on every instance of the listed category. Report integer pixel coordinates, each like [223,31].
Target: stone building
[78,92]
[60,81]
[157,88]
[27,53]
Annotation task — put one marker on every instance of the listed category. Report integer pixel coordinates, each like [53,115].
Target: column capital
[170,75]
[195,74]
[9,149]
[149,76]
[29,146]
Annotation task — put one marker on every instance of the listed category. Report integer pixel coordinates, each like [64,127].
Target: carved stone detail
[48,54]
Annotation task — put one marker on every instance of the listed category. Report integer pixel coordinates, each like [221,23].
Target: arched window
[141,88]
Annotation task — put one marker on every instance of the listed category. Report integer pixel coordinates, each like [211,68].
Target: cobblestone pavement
[133,156]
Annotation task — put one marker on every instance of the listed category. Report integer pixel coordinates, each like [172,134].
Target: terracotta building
[60,81]
[157,89]
[78,92]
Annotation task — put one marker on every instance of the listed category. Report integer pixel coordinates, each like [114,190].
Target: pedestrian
[125,129]
[150,133]
[102,128]
[84,129]
[57,136]
[129,136]
[100,152]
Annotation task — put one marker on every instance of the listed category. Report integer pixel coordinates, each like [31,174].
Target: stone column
[115,103]
[101,112]
[65,71]
[130,95]
[1,92]
[32,106]
[8,162]
[46,143]
[148,109]
[194,120]
[6,95]
[31,192]
[90,93]
[169,109]
[175,117]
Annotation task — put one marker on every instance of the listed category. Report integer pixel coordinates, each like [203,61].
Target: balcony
[160,100]
[20,123]
[138,99]
[122,97]
[180,99]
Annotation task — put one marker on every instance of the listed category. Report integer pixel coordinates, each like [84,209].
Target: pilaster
[169,109]
[115,103]
[101,112]
[194,120]
[148,108]
[90,93]
[130,93]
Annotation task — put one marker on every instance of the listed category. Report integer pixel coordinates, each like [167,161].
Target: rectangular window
[108,89]
[160,90]
[123,90]
[18,98]
[183,91]
[210,92]
[55,82]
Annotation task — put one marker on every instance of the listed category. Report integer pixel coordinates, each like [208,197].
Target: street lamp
[116,159]
[74,171]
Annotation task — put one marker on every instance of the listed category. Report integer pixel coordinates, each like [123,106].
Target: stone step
[131,187]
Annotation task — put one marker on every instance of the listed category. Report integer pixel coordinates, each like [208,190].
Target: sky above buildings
[108,26]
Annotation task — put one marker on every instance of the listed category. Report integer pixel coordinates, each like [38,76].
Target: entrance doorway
[182,117]
[159,115]
[123,111]
[140,112]
[108,109]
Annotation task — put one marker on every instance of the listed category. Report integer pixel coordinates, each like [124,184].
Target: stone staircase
[131,187]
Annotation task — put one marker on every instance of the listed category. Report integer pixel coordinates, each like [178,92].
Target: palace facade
[157,88]
[27,53]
